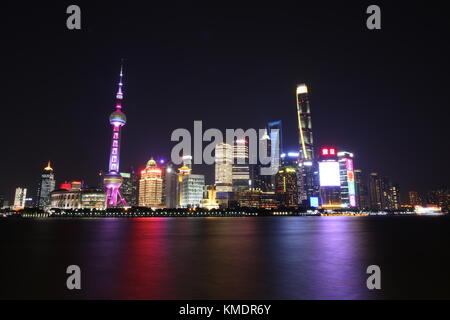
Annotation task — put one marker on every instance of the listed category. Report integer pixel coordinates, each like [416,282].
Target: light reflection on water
[198,258]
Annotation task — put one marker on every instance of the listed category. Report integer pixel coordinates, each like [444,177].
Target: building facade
[45,187]
[151,186]
[241,168]
[19,198]
[308,179]
[362,196]
[71,195]
[347,177]
[286,180]
[192,187]
[223,167]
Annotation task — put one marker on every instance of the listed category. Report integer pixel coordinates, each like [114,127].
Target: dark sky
[381,94]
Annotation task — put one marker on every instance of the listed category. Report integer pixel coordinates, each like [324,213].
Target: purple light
[161,161]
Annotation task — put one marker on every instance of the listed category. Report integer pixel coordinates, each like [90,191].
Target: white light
[293,154]
[329,174]
[302,88]
[308,163]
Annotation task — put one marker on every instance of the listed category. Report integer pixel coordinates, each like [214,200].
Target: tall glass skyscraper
[241,168]
[224,167]
[45,186]
[304,123]
[307,178]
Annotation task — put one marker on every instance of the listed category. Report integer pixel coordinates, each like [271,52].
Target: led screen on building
[329,174]
[314,202]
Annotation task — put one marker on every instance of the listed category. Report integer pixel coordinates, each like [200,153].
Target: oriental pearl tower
[113,179]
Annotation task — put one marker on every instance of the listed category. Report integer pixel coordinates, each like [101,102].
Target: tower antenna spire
[113,179]
[119,95]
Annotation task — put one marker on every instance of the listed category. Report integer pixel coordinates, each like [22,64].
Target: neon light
[325,151]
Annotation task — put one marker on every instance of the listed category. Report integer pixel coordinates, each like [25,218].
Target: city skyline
[367,113]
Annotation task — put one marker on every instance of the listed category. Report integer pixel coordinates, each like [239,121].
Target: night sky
[380,94]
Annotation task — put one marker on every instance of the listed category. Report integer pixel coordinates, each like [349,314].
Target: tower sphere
[118,117]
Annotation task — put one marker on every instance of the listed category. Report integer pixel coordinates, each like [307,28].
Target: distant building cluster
[327,179]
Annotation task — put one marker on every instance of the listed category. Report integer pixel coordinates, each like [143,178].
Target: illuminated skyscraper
[347,176]
[113,179]
[183,172]
[383,194]
[330,179]
[304,123]
[241,169]
[20,198]
[45,186]
[308,184]
[286,180]
[224,167]
[151,186]
[129,187]
[192,186]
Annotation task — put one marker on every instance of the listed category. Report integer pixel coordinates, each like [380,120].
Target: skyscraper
[129,187]
[362,200]
[286,180]
[224,167]
[151,186]
[192,190]
[45,186]
[308,184]
[383,194]
[241,169]
[375,191]
[347,177]
[330,179]
[113,179]
[20,198]
[304,123]
[170,186]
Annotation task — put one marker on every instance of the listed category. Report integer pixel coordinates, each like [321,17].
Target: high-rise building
[362,196]
[20,198]
[304,123]
[308,179]
[330,179]
[286,180]
[170,186]
[45,187]
[275,130]
[151,186]
[383,194]
[440,198]
[192,186]
[241,168]
[2,201]
[113,179]
[183,172]
[224,167]
[414,198]
[129,187]
[263,182]
[347,176]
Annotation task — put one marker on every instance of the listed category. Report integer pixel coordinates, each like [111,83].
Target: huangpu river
[226,258]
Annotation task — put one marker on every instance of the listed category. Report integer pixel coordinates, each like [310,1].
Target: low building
[68,197]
